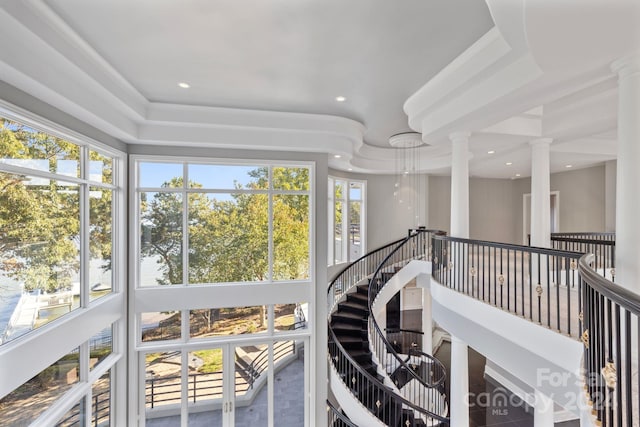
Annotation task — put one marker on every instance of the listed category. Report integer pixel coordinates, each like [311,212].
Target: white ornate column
[460,184]
[540,193]
[543,411]
[628,173]
[459,395]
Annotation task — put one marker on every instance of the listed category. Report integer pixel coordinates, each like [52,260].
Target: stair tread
[346,326]
[348,315]
[358,296]
[349,338]
[354,304]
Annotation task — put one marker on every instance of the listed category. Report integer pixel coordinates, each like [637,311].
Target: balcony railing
[568,291]
[539,284]
[611,336]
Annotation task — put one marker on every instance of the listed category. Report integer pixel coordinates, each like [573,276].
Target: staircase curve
[567,293]
[374,382]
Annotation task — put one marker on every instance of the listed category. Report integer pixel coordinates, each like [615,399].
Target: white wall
[490,207]
[581,196]
[387,218]
[495,205]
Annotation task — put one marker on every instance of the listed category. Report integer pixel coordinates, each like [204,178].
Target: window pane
[160,326]
[100,242]
[290,237]
[228,177]
[205,375]
[26,147]
[75,416]
[100,167]
[355,230]
[251,385]
[100,346]
[161,239]
[290,317]
[157,175]
[289,390]
[340,190]
[39,233]
[26,403]
[227,321]
[337,251]
[290,178]
[228,238]
[101,401]
[355,191]
[163,382]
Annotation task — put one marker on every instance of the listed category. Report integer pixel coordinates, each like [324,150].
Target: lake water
[9,296]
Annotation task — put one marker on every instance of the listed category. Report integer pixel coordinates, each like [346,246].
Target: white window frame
[187,297]
[345,243]
[25,354]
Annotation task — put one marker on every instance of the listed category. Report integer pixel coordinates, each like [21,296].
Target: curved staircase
[390,392]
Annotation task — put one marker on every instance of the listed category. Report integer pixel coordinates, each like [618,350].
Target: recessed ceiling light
[509,163]
[517,175]
[184,85]
[568,166]
[491,152]
[340,98]
[337,156]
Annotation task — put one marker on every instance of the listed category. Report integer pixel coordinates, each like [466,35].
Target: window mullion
[185,224]
[85,256]
[270,226]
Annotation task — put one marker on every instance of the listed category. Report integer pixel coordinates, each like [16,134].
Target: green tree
[228,235]
[39,218]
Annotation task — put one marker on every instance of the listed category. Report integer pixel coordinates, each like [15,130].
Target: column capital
[540,141]
[459,136]
[627,65]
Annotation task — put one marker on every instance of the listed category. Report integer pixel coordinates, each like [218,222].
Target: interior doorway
[554,220]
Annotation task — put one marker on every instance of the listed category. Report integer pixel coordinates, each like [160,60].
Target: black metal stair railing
[566,291]
[610,325]
[354,364]
[355,272]
[337,418]
[601,244]
[418,376]
[539,284]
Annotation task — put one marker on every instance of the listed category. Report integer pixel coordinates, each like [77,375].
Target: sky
[153,175]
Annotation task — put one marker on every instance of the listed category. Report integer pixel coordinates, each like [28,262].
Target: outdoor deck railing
[163,390]
[100,412]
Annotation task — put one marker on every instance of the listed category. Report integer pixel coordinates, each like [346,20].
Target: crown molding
[531,57]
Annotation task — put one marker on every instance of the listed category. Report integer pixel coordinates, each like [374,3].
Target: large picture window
[220,223]
[210,231]
[58,265]
[56,209]
[346,220]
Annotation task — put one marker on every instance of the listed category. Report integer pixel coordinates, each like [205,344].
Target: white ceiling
[293,56]
[265,74]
